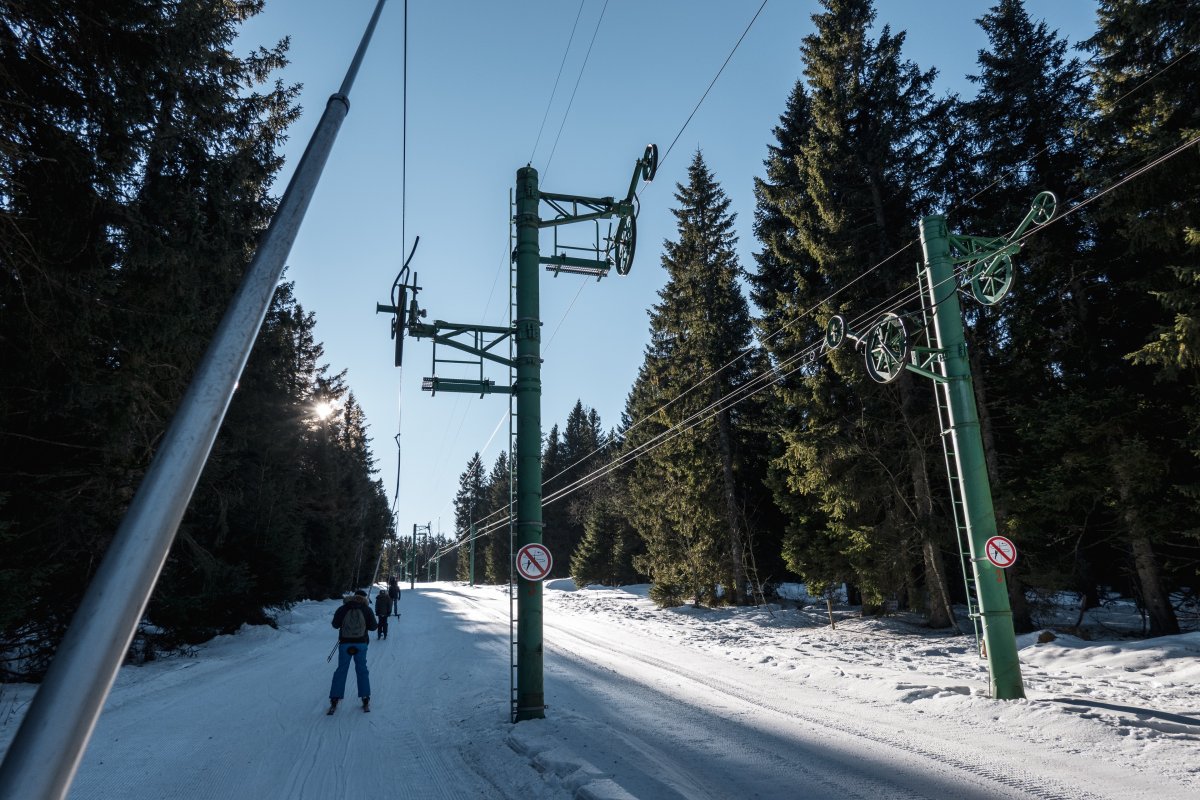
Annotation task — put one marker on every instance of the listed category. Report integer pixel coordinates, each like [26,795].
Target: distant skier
[394,593]
[353,620]
[383,607]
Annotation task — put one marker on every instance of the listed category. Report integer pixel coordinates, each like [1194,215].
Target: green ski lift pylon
[615,251]
[986,265]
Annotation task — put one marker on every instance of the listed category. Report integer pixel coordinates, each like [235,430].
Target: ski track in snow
[643,703]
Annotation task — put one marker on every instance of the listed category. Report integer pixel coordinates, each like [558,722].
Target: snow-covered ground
[682,703]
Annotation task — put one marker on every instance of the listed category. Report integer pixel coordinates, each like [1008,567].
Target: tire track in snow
[1006,777]
[654,771]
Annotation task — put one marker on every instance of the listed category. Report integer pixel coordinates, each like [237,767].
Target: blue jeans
[338,690]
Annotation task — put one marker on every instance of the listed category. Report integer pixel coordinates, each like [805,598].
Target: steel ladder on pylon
[941,395]
[512,474]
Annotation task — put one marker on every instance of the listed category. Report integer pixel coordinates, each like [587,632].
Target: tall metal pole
[528,391]
[472,553]
[999,638]
[44,755]
[412,573]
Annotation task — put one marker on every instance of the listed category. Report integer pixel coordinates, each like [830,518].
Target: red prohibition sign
[1000,551]
[534,562]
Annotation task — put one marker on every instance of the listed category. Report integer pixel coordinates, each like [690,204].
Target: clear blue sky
[480,75]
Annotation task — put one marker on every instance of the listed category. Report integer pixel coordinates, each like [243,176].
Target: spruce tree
[853,171]
[687,493]
[496,546]
[1022,131]
[1139,383]
[555,514]
[470,504]
[138,159]
[581,452]
[609,546]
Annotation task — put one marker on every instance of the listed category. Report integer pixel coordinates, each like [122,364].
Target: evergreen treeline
[743,459]
[137,155]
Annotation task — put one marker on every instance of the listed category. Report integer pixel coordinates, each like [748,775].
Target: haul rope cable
[553,91]
[549,103]
[585,282]
[583,66]
[900,293]
[403,244]
[566,113]
[786,326]
[682,128]
[807,352]
[713,82]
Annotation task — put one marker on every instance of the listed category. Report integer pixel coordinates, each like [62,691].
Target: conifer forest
[137,172]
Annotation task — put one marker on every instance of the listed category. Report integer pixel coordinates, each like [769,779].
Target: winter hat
[360,593]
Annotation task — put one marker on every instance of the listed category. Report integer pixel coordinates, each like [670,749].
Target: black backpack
[383,603]
[354,624]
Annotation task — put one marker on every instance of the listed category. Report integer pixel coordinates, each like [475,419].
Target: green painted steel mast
[986,265]
[528,391]
[614,251]
[999,638]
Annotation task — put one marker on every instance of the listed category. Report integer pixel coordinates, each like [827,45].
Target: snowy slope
[645,703]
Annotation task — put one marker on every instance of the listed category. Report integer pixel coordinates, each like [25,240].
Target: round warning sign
[534,562]
[1000,551]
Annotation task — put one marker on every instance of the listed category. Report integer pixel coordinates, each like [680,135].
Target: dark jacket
[383,604]
[355,601]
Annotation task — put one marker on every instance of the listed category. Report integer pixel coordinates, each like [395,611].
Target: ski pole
[331,652]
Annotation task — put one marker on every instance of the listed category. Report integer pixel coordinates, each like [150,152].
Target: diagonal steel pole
[45,754]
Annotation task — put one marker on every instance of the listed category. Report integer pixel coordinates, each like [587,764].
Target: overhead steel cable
[403,243]
[791,323]
[745,352]
[677,135]
[578,78]
[713,82]
[806,354]
[1060,139]
[909,292]
[550,102]
[404,141]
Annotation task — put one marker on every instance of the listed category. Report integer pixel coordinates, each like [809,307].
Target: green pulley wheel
[887,349]
[650,162]
[835,332]
[624,243]
[1043,207]
[991,282]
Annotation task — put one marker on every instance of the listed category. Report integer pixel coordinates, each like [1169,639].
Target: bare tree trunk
[736,550]
[937,600]
[937,592]
[1163,621]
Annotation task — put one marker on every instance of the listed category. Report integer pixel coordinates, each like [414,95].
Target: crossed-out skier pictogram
[534,561]
[1000,551]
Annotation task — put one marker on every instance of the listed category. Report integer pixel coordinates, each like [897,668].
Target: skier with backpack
[354,622]
[383,607]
